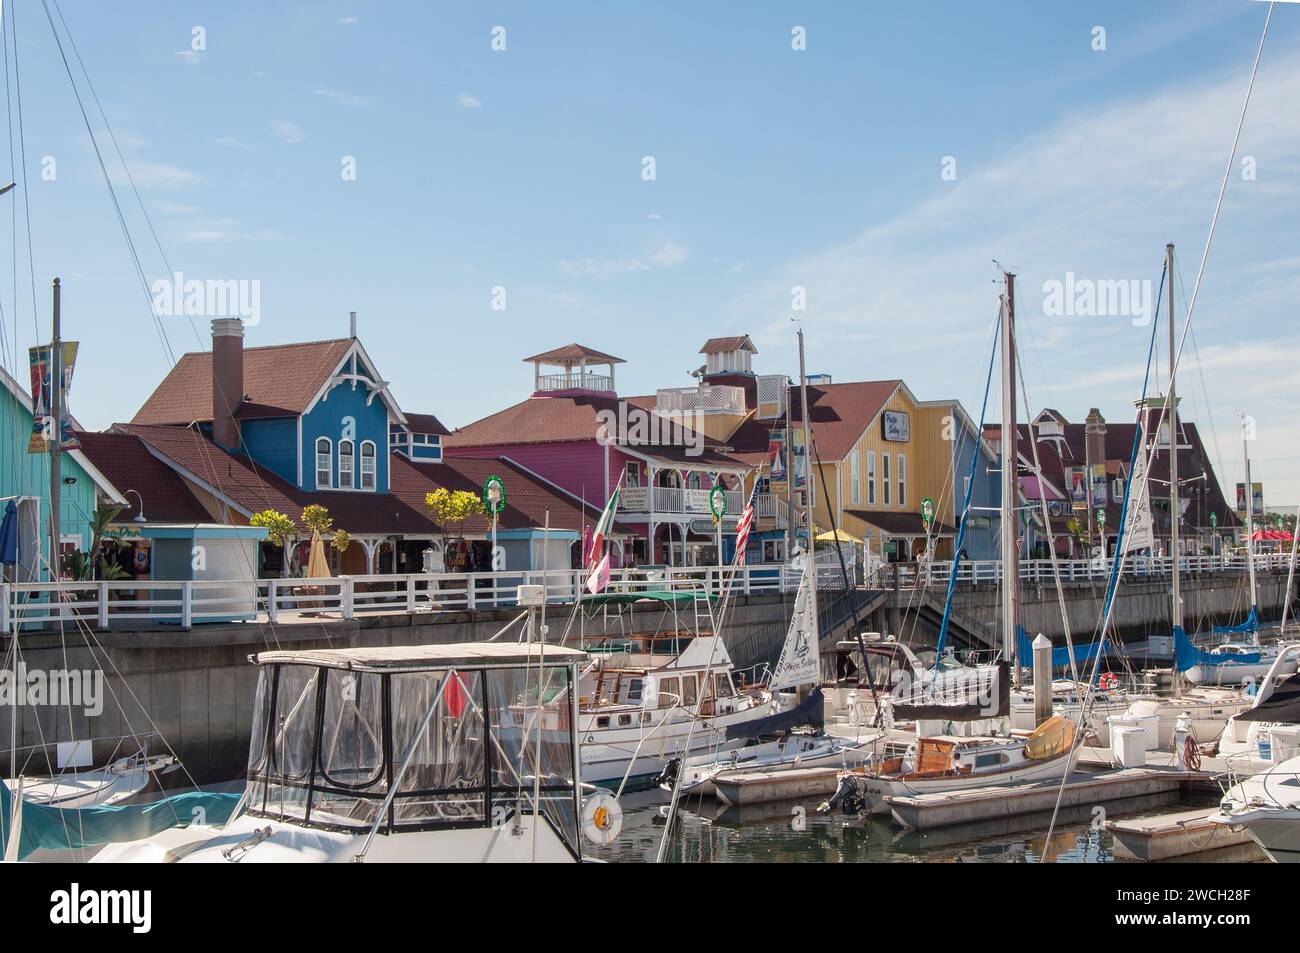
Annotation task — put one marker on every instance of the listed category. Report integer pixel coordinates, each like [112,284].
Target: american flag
[742,528]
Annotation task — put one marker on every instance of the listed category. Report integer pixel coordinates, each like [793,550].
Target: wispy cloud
[468,101]
[189,57]
[348,21]
[342,98]
[668,254]
[1097,193]
[231,142]
[287,131]
[157,175]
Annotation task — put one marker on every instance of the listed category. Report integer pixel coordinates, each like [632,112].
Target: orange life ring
[1109,682]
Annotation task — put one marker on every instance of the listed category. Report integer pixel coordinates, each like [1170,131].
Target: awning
[900,524]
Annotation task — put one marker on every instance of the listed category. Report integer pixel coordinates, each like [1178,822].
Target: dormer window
[345,465]
[324,464]
[367,465]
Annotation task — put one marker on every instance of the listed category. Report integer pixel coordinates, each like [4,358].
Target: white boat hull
[610,754]
[877,788]
[826,752]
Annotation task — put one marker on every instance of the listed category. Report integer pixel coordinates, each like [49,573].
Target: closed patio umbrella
[318,566]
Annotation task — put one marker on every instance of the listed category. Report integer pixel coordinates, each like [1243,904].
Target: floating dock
[927,811]
[1177,836]
[743,788]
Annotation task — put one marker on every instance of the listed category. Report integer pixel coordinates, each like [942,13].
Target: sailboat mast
[1010,567]
[810,496]
[1172,404]
[1250,521]
[56,439]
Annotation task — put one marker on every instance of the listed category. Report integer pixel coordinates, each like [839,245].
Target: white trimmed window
[871,478]
[855,479]
[368,466]
[884,473]
[324,463]
[345,465]
[902,480]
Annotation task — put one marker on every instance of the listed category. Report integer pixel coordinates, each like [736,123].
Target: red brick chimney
[227,379]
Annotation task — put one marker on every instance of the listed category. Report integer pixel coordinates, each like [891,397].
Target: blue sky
[819,168]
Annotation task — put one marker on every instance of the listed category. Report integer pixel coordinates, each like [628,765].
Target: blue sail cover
[1250,625]
[1187,655]
[1060,657]
[54,828]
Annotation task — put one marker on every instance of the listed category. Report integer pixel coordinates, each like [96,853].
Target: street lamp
[139,513]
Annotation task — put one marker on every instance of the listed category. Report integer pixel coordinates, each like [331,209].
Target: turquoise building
[25,479]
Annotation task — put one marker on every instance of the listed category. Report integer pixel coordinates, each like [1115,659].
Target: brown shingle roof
[840,415]
[573,352]
[722,345]
[284,376]
[128,465]
[400,512]
[427,424]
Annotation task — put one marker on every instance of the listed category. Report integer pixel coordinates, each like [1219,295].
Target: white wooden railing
[669,499]
[1078,570]
[101,605]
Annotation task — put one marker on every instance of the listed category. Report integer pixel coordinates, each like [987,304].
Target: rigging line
[1176,357]
[22,147]
[117,206]
[118,149]
[965,509]
[1117,568]
[1047,527]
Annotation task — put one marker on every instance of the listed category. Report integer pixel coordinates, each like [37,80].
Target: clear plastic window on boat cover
[337,739]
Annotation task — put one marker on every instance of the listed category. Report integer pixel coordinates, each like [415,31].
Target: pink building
[575,433]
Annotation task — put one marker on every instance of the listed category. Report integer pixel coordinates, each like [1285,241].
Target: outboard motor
[846,797]
[668,776]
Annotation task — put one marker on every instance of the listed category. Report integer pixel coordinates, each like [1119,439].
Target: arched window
[324,464]
[345,465]
[367,465]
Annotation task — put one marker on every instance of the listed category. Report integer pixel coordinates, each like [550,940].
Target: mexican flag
[603,526]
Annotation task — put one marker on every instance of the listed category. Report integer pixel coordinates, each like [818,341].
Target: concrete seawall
[195,688]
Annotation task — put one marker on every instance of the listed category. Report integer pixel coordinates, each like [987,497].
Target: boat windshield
[327,744]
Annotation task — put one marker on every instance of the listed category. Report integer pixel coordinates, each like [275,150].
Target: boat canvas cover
[799,663]
[1187,655]
[1060,656]
[1283,706]
[1251,624]
[54,828]
[811,711]
[987,698]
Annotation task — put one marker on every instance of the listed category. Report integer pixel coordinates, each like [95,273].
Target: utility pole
[810,498]
[56,440]
[1172,404]
[1010,515]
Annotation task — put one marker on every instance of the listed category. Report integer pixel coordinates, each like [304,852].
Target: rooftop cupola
[728,355]
[575,375]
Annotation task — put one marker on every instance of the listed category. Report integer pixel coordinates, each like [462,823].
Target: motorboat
[1269,730]
[462,752]
[647,698]
[1267,805]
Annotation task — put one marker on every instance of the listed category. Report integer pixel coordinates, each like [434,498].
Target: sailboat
[776,743]
[1231,662]
[941,760]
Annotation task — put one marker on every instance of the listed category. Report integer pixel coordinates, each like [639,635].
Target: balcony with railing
[704,399]
[574,380]
[673,501]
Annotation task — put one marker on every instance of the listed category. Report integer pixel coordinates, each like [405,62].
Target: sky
[887,168]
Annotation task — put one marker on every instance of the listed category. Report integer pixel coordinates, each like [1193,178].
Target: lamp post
[139,513]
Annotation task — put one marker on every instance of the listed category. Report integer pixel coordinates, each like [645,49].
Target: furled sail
[799,663]
[1138,531]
